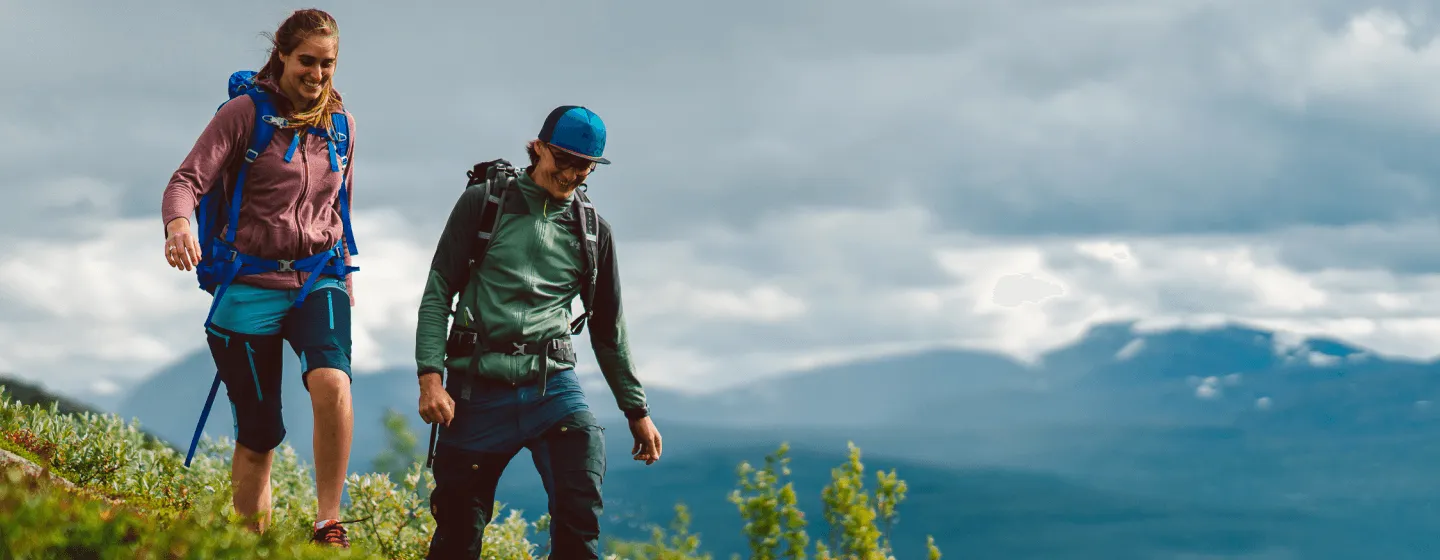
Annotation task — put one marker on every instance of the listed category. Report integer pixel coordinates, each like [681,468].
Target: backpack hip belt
[231,264]
[466,342]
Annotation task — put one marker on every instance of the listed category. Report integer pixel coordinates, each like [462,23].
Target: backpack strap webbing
[588,223]
[340,142]
[497,182]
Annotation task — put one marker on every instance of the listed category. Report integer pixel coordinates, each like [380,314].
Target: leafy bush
[773,523]
[42,520]
[134,498]
[776,526]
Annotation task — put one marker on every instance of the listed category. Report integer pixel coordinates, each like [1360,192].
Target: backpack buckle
[461,342]
[286,266]
[519,349]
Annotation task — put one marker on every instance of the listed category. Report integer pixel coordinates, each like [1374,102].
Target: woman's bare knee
[328,381]
[255,458]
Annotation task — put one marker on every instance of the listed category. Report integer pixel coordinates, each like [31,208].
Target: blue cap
[577,130]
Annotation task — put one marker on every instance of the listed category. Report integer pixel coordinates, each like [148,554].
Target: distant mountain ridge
[1229,441]
[1111,376]
[33,394]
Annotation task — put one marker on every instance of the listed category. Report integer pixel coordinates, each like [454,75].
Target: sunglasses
[566,160]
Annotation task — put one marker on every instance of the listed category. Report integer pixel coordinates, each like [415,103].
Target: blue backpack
[220,262]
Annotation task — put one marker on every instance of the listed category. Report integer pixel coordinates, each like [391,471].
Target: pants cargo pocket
[577,463]
[577,443]
[462,501]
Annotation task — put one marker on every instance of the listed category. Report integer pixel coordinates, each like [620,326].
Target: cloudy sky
[795,182]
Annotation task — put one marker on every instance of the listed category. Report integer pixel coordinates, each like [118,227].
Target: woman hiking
[276,257]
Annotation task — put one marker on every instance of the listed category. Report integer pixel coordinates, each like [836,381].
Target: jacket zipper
[304,188]
[538,243]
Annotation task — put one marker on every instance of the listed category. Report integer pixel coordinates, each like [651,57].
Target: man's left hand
[647,440]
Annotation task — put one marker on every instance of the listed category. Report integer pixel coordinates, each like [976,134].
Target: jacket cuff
[637,412]
[429,369]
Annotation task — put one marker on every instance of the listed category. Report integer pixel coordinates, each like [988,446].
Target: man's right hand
[182,251]
[436,406]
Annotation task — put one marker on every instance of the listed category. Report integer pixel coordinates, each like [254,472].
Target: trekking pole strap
[204,414]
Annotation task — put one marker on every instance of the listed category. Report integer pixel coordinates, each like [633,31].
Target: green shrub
[680,546]
[134,498]
[41,520]
[774,524]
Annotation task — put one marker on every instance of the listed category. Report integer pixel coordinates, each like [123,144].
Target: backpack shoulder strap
[588,222]
[341,134]
[497,178]
[267,121]
[260,134]
[339,159]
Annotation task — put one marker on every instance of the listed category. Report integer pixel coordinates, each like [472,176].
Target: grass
[128,495]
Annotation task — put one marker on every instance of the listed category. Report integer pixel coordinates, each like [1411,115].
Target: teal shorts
[246,335]
[318,332]
[247,309]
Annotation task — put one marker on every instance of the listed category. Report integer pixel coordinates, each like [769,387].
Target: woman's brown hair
[302,25]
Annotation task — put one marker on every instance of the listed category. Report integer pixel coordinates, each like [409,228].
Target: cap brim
[595,159]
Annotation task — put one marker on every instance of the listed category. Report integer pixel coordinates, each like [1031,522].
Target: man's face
[561,167]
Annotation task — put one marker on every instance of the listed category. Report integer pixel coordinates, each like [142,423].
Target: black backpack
[498,177]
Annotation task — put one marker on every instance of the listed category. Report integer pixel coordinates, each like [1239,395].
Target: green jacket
[523,291]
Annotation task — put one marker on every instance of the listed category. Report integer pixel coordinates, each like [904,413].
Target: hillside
[27,393]
[120,493]
[974,512]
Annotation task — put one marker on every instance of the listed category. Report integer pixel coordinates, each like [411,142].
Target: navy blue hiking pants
[488,430]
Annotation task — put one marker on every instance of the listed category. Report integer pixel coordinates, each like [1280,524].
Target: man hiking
[518,249]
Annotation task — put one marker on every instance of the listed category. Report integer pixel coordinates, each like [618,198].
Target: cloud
[1013,290]
[1208,389]
[1163,281]
[1035,117]
[701,315]
[109,310]
[1130,350]
[763,304]
[1378,64]
[823,182]
[104,387]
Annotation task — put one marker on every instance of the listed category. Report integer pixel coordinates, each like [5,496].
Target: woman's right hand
[181,249]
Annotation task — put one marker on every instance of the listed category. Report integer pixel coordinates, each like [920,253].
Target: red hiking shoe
[332,534]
